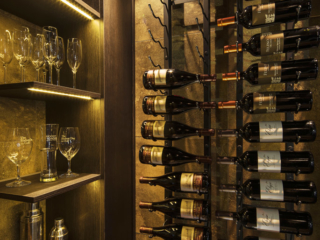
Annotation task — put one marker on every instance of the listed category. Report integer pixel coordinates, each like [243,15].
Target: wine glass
[50,47]
[45,69]
[18,149]
[37,56]
[21,49]
[6,50]
[60,58]
[69,146]
[74,56]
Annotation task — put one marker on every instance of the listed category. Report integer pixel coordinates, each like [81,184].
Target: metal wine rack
[167,16]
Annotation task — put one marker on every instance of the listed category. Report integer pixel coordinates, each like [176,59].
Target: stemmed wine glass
[45,68]
[60,58]
[6,50]
[50,47]
[37,56]
[18,149]
[21,49]
[69,146]
[74,56]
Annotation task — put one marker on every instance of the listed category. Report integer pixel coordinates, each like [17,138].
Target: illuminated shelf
[38,191]
[45,92]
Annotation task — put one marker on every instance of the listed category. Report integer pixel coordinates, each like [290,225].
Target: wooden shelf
[22,90]
[38,191]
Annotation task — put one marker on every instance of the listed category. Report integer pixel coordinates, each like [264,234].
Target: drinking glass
[60,58]
[21,49]
[74,56]
[37,56]
[69,146]
[48,146]
[50,47]
[6,50]
[18,149]
[45,69]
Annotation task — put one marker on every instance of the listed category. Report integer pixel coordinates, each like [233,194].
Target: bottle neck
[207,78]
[227,105]
[204,159]
[146,230]
[221,22]
[206,132]
[147,180]
[206,105]
[233,48]
[227,215]
[145,205]
[228,133]
[229,188]
[227,160]
[233,76]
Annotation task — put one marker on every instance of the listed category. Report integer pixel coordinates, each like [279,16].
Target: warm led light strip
[77,9]
[59,93]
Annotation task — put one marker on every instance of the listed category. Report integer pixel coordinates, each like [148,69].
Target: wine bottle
[172,79]
[168,156]
[277,72]
[273,161]
[153,105]
[191,209]
[171,130]
[297,131]
[259,238]
[275,43]
[272,220]
[272,102]
[268,14]
[178,232]
[275,190]
[180,182]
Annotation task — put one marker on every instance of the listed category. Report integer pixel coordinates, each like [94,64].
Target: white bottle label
[160,104]
[271,190]
[186,208]
[269,161]
[187,233]
[186,182]
[156,155]
[158,128]
[268,219]
[271,131]
[160,77]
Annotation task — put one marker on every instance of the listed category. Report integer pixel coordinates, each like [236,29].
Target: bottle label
[263,14]
[187,233]
[160,104]
[271,131]
[269,161]
[271,190]
[271,43]
[268,219]
[269,73]
[160,77]
[186,182]
[264,102]
[158,128]
[156,155]
[186,209]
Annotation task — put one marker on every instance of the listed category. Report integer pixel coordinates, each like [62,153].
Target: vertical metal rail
[168,65]
[239,118]
[289,117]
[207,92]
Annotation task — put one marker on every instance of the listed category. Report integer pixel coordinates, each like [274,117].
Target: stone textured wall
[17,113]
[185,57]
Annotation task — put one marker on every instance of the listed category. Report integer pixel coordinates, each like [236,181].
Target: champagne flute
[69,146]
[50,47]
[45,68]
[21,49]
[37,56]
[6,50]
[18,149]
[60,58]
[74,56]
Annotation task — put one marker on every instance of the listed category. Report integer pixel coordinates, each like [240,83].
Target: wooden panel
[119,143]
[38,191]
[20,90]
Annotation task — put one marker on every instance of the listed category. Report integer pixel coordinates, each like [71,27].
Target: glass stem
[74,79]
[69,167]
[38,74]
[58,77]
[50,73]
[18,173]
[21,72]
[5,73]
[44,76]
